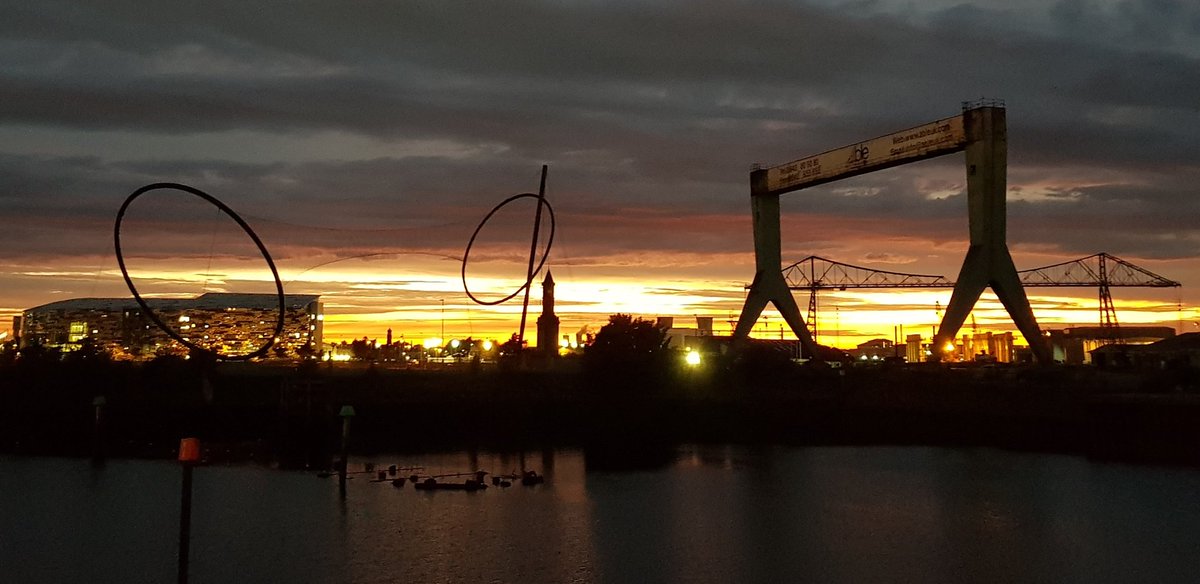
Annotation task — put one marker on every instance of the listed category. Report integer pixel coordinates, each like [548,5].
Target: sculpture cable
[529,277]
[149,312]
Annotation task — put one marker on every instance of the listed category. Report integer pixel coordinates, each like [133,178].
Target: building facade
[229,324]
[1074,346]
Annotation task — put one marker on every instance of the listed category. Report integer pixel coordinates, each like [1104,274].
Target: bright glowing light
[487,345]
[693,358]
[454,343]
[183,318]
[564,343]
[948,347]
[432,342]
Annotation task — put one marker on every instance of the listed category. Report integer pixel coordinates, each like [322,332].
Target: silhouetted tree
[362,350]
[307,352]
[37,353]
[8,353]
[628,352]
[512,346]
[89,351]
[508,354]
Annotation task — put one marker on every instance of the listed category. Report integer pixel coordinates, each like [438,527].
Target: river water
[710,514]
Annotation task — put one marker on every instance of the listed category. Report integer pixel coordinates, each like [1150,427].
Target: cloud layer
[347,130]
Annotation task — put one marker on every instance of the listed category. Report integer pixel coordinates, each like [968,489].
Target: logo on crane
[859,155]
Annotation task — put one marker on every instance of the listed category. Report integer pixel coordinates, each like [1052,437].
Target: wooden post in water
[189,455]
[98,427]
[346,413]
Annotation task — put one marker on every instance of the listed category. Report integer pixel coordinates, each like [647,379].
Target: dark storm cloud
[549,71]
[649,114]
[1148,221]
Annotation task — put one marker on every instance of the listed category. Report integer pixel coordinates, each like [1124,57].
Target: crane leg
[972,279]
[771,287]
[1007,285]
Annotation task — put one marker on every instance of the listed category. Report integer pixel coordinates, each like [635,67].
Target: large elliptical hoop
[245,227]
[471,242]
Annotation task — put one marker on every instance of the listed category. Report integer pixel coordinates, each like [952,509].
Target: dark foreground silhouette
[289,415]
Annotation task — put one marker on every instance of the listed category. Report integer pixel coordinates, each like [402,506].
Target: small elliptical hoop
[471,242]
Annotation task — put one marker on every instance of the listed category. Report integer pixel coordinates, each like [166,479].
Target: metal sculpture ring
[150,312]
[528,280]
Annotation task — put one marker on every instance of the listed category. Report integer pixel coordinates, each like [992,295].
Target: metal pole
[537,224]
[189,454]
[185,523]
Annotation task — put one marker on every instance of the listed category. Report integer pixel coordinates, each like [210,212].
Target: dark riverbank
[289,415]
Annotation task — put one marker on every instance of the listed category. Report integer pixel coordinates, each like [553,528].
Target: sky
[364,142]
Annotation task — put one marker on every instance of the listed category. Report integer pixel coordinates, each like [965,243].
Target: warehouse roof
[207,301]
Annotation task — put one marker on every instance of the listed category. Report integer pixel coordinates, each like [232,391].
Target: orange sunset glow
[420,296]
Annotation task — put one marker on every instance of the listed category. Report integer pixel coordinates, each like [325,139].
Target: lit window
[78,332]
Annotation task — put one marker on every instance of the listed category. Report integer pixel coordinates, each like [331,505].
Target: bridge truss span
[815,273]
[1101,270]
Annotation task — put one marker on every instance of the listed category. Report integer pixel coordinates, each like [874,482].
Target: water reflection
[712,514]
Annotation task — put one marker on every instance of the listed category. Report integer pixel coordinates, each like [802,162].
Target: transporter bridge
[1101,270]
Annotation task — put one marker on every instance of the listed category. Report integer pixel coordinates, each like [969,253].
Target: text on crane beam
[932,139]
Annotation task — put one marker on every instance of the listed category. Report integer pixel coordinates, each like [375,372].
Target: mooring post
[346,413]
[189,455]
[98,403]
